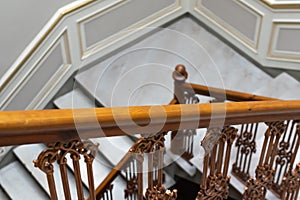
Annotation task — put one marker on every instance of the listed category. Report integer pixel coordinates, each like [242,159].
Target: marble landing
[278,86]
[142,73]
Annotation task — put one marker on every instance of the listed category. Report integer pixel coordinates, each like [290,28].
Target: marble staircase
[141,75]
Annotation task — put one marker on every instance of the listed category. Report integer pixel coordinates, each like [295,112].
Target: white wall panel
[237,18]
[288,40]
[34,86]
[56,52]
[285,42]
[118,20]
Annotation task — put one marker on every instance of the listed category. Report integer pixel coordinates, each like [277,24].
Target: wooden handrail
[45,126]
[221,93]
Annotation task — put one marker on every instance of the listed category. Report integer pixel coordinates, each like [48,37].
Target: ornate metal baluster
[45,162]
[131,177]
[151,146]
[256,188]
[183,140]
[216,184]
[88,150]
[58,152]
[246,147]
[63,171]
[286,153]
[107,194]
[291,184]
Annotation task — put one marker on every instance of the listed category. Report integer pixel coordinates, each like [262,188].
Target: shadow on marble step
[3,195]
[278,86]
[4,151]
[130,76]
[19,184]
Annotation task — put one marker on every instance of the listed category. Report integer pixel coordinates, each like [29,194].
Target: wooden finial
[180,73]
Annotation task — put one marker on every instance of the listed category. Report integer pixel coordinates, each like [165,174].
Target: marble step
[74,99]
[292,94]
[19,184]
[120,146]
[278,86]
[101,168]
[142,73]
[27,153]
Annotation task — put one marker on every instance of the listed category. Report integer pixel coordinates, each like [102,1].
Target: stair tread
[292,94]
[100,168]
[120,146]
[19,183]
[74,99]
[127,78]
[278,86]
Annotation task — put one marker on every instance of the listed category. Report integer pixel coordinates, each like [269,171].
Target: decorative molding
[68,18]
[279,4]
[280,54]
[60,44]
[16,78]
[252,44]
[55,21]
[88,50]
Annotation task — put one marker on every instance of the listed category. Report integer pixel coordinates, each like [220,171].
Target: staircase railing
[285,148]
[66,131]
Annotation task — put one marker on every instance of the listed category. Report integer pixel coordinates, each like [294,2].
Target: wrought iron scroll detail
[246,147]
[131,177]
[154,147]
[264,173]
[58,152]
[286,154]
[160,193]
[215,185]
[150,144]
[291,184]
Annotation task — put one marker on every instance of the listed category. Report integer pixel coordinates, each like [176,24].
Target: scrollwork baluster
[58,153]
[264,174]
[216,184]
[246,147]
[291,184]
[154,146]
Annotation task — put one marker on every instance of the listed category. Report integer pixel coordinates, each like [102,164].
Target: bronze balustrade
[275,171]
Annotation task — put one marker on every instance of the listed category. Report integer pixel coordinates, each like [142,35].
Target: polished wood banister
[219,93]
[44,126]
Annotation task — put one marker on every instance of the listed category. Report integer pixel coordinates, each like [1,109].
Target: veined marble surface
[278,86]
[19,184]
[142,73]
